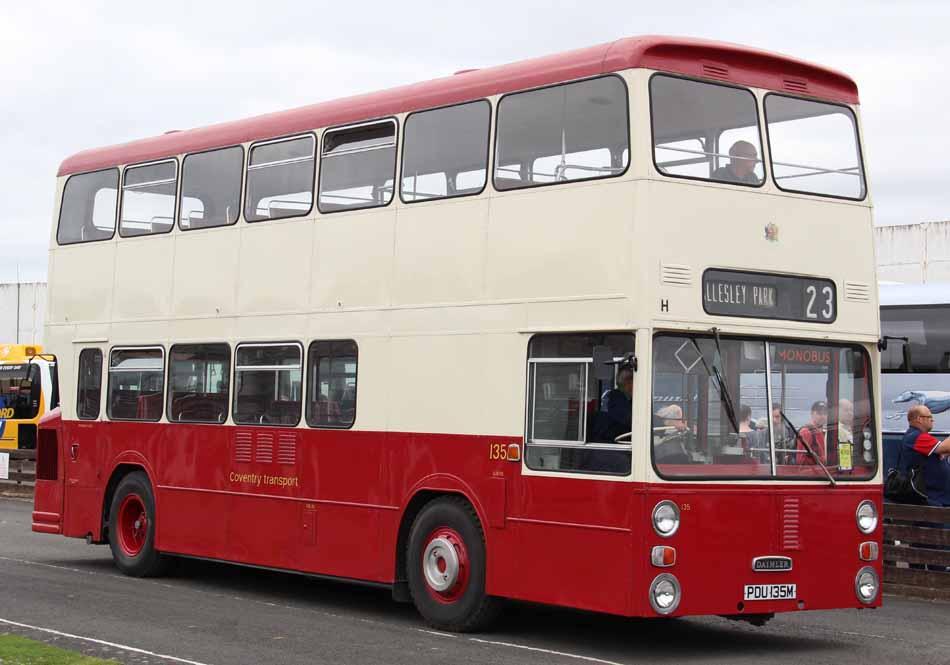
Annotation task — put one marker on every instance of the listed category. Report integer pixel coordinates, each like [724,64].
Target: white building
[913,253]
[22,312]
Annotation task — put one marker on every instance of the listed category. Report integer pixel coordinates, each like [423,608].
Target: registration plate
[769,592]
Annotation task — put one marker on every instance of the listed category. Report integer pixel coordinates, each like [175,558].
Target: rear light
[666,518]
[866,585]
[868,551]
[47,455]
[665,594]
[662,556]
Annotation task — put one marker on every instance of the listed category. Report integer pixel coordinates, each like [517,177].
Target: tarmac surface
[64,592]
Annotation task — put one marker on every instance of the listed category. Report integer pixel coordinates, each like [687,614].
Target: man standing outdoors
[919,444]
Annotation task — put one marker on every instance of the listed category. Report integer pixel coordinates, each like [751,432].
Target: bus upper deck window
[280,179]
[814,147]
[575,131]
[211,188]
[89,206]
[148,199]
[706,131]
[358,167]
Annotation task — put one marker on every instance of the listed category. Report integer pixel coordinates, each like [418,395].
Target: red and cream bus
[596,329]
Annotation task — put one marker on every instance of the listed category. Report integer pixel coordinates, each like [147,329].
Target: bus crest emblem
[771,232]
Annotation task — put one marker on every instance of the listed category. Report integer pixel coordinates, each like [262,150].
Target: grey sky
[84,74]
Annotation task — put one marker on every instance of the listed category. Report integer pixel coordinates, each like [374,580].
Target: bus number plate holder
[769,592]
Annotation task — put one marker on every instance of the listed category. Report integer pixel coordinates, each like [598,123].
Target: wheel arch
[122,466]
[426,490]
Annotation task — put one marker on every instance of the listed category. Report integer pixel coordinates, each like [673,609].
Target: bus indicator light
[514,452]
[868,551]
[663,556]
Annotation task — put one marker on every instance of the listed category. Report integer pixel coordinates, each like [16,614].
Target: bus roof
[893,295]
[692,57]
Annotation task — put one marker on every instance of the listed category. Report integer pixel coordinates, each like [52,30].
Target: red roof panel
[693,57]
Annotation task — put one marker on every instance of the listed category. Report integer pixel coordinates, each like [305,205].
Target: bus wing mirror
[603,358]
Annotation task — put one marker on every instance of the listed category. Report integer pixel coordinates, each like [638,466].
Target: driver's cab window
[580,408]
[706,131]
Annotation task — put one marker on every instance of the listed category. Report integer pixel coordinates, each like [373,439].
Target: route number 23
[826,302]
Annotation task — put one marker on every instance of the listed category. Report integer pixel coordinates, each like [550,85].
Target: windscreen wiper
[799,437]
[724,396]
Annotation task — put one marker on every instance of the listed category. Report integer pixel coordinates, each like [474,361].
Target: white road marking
[114,645]
[589,659]
[436,633]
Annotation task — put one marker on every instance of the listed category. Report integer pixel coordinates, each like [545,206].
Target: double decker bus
[28,389]
[597,329]
[915,361]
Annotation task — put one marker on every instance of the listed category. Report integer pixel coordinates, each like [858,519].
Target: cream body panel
[570,240]
[81,283]
[440,251]
[274,268]
[206,272]
[143,277]
[353,259]
[458,384]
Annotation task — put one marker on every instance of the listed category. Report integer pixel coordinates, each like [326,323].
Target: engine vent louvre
[796,85]
[287,448]
[857,291]
[242,447]
[791,527]
[264,448]
[678,275]
[715,70]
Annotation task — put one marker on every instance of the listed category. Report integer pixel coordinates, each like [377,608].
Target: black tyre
[132,528]
[446,567]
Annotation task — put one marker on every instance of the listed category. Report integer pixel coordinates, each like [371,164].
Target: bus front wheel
[132,528]
[446,567]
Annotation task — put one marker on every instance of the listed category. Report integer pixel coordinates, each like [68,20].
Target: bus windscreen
[19,391]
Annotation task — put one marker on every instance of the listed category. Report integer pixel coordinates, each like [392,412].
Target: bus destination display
[767,296]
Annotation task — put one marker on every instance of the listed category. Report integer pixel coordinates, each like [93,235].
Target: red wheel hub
[445,565]
[132,525]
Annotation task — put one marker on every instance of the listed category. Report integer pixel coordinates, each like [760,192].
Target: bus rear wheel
[132,528]
[446,567]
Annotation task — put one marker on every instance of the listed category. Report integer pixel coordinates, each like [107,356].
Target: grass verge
[15,650]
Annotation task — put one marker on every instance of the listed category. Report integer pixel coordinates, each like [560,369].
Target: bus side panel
[81,447]
[577,540]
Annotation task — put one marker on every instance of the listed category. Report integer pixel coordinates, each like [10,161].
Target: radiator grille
[242,447]
[264,448]
[678,275]
[791,525]
[287,448]
[857,291]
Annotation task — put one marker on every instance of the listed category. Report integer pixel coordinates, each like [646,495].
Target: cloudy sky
[84,74]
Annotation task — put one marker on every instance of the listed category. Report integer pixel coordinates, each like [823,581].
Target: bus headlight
[866,585]
[866,517]
[666,518]
[665,594]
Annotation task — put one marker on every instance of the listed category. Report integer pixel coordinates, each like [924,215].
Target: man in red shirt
[813,433]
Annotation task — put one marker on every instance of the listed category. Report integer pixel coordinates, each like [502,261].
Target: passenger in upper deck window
[741,168]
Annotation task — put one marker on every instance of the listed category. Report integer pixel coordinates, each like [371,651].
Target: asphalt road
[64,592]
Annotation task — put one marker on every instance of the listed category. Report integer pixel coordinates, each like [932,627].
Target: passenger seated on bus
[741,168]
[616,408]
[813,433]
[670,436]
